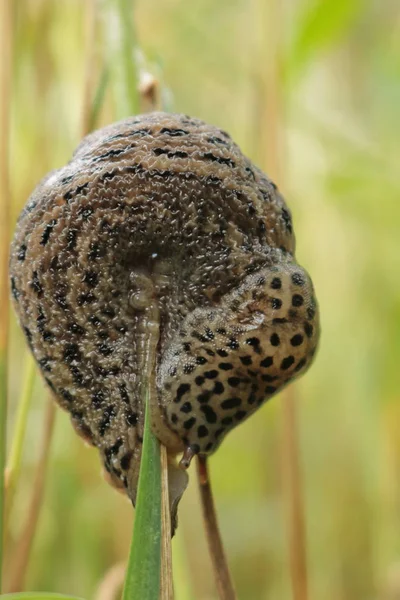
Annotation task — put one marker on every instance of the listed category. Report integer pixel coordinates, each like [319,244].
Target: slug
[161,256]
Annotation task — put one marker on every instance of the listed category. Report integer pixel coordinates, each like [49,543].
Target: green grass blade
[143,572]
[17,443]
[183,587]
[317,28]
[121,57]
[6,45]
[98,99]
[38,596]
[130,75]
[3,416]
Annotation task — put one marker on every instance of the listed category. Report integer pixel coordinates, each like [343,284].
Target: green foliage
[121,56]
[342,63]
[17,442]
[142,578]
[38,596]
[318,26]
[3,412]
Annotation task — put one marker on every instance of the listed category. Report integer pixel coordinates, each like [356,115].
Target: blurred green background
[321,78]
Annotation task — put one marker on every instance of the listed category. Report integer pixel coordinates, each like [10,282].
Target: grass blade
[275,153]
[223,578]
[293,494]
[98,99]
[17,443]
[167,590]
[130,75]
[90,65]
[20,558]
[143,572]
[317,28]
[5,101]
[121,45]
[38,596]
[110,586]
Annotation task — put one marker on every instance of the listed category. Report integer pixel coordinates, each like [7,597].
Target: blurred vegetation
[339,82]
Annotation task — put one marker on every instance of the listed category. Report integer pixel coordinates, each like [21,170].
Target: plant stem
[14,461]
[90,41]
[294,497]
[110,586]
[129,68]
[99,97]
[144,564]
[38,596]
[221,570]
[5,100]
[24,545]
[167,591]
[3,420]
[274,121]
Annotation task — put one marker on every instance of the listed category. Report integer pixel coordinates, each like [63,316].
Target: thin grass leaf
[223,579]
[182,575]
[15,457]
[5,102]
[318,27]
[127,54]
[98,99]
[38,596]
[167,589]
[121,46]
[90,63]
[274,117]
[21,555]
[143,572]
[3,417]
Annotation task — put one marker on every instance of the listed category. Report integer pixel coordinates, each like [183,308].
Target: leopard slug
[160,238]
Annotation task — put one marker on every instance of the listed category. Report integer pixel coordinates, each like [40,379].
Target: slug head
[228,359]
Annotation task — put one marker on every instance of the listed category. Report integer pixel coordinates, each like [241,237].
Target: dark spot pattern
[276,283]
[308,328]
[267,362]
[276,303]
[298,279]
[296,340]
[209,413]
[230,403]
[146,189]
[274,339]
[22,252]
[287,362]
[246,360]
[47,231]
[297,300]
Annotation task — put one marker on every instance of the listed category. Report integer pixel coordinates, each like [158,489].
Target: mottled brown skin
[161,218]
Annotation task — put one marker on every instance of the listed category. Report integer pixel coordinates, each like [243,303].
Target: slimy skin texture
[161,239]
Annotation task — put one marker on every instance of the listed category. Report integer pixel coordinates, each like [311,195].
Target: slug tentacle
[160,256]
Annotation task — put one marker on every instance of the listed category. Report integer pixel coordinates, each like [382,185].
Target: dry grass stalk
[88,84]
[166,591]
[5,186]
[14,464]
[149,93]
[222,575]
[20,559]
[110,586]
[294,497]
[273,121]
[5,205]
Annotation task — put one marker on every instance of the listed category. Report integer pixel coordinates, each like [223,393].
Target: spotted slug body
[161,213]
